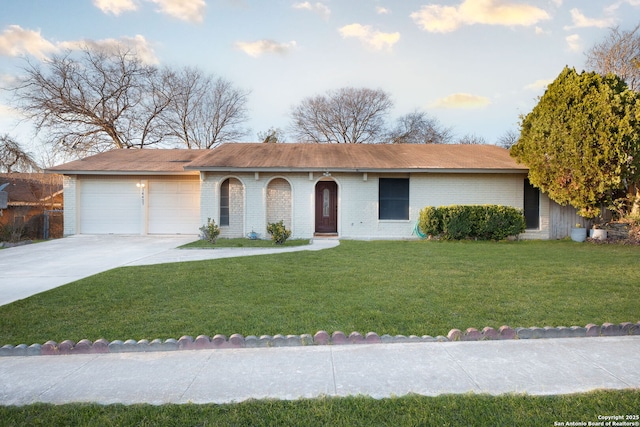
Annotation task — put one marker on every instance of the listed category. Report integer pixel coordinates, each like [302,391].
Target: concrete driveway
[31,269]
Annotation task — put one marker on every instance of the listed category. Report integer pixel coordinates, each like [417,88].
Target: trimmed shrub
[279,233]
[210,231]
[480,222]
[430,222]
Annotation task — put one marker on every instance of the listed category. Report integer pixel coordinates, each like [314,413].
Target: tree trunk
[634,195]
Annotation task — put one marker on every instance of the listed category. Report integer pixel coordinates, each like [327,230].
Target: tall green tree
[581,142]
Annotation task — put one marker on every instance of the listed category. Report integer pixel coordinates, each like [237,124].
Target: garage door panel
[114,206]
[174,207]
[110,207]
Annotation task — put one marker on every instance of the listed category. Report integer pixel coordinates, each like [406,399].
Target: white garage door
[174,206]
[110,206]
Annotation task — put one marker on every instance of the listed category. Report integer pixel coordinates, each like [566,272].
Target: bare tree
[93,99]
[348,115]
[13,158]
[618,53]
[203,110]
[472,138]
[509,139]
[418,128]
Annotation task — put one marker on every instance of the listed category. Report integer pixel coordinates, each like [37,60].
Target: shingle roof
[359,157]
[30,187]
[132,161]
[299,157]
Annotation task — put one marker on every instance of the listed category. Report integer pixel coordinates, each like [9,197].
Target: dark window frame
[531,206]
[393,199]
[224,203]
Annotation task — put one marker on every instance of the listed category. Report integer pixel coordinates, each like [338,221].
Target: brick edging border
[320,338]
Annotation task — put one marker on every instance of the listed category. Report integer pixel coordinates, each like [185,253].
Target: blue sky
[475,65]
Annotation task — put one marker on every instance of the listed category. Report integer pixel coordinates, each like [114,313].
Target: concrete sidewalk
[536,367]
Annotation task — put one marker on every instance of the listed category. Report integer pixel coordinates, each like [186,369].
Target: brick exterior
[259,198]
[70,204]
[358,200]
[279,201]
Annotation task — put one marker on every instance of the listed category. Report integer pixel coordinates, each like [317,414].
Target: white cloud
[185,10]
[539,84]
[7,80]
[443,19]
[15,41]
[382,10]
[115,6]
[317,8]
[260,47]
[137,44]
[615,6]
[581,21]
[462,100]
[574,42]
[9,113]
[374,39]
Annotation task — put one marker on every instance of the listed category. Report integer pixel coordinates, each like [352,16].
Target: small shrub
[457,222]
[210,231]
[12,233]
[279,233]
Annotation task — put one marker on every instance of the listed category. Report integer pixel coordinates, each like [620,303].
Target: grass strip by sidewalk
[388,287]
[445,410]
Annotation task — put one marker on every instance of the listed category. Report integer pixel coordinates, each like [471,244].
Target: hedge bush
[481,222]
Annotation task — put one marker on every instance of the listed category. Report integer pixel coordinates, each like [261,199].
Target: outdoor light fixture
[326,173]
[141,186]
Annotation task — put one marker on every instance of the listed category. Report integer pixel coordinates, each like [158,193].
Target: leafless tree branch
[348,115]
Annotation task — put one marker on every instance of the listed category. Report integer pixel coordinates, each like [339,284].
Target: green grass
[242,243]
[446,410]
[399,287]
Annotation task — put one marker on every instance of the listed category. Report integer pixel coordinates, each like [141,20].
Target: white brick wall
[279,201]
[70,213]
[358,200]
[210,203]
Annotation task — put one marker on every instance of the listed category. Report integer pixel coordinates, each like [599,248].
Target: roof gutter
[110,172]
[358,170]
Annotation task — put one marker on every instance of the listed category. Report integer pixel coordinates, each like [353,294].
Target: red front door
[326,207]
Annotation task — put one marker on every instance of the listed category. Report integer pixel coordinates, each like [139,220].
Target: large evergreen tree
[582,142]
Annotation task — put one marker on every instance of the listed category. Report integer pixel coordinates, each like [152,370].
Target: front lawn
[388,287]
[446,410]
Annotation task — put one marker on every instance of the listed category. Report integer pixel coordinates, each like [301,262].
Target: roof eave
[360,170]
[111,172]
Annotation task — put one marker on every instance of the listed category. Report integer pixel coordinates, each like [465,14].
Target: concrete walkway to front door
[31,269]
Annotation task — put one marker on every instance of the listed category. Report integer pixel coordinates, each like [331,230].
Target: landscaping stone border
[320,338]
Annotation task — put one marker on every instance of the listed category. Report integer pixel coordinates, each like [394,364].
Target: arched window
[224,203]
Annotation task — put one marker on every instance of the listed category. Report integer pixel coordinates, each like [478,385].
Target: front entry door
[326,207]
